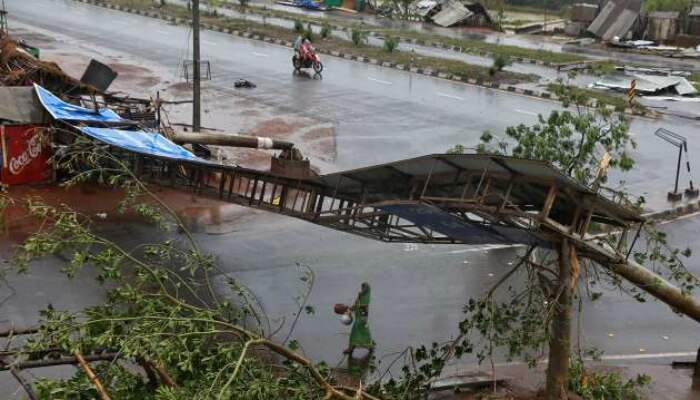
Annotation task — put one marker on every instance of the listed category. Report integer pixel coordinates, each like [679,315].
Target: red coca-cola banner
[25,153]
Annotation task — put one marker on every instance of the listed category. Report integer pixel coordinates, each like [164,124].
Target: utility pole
[196,98]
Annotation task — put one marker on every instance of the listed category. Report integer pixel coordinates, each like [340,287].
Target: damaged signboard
[24,139]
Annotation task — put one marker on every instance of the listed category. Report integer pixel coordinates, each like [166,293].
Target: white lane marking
[486,248]
[449,96]
[260,54]
[645,356]
[379,81]
[158,31]
[525,112]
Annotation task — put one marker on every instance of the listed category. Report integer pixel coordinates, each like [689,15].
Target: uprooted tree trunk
[559,343]
[645,279]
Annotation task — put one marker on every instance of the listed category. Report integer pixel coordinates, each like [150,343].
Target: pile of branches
[19,68]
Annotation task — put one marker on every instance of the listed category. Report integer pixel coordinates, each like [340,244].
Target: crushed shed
[648,84]
[616,19]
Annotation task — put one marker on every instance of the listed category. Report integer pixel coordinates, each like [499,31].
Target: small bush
[391,43]
[326,30]
[309,33]
[243,3]
[298,26]
[501,61]
[358,36]
[604,385]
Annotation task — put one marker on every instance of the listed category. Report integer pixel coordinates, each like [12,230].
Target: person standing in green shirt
[359,333]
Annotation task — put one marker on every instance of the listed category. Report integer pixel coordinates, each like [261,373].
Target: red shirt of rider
[305,49]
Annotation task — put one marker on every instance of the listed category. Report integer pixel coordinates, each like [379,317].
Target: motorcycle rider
[305,50]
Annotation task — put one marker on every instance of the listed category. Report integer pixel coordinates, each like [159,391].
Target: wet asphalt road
[380,115]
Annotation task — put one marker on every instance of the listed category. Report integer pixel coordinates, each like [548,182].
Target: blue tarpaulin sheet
[63,111]
[149,143]
[452,226]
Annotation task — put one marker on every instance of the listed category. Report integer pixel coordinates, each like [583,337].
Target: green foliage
[326,30]
[299,26]
[604,385]
[309,33]
[667,5]
[573,139]
[155,307]
[456,149]
[244,3]
[358,35]
[501,61]
[119,383]
[391,43]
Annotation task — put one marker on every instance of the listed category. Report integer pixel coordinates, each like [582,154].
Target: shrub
[326,30]
[243,3]
[358,36]
[391,43]
[298,26]
[309,33]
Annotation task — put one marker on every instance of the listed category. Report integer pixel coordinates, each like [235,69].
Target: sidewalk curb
[430,72]
[674,212]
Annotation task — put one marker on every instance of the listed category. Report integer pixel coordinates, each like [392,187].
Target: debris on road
[244,83]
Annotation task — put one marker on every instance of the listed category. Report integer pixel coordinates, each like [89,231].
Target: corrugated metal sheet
[616,19]
[21,105]
[648,84]
[451,14]
[422,7]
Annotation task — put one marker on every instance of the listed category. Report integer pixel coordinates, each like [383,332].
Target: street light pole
[196,99]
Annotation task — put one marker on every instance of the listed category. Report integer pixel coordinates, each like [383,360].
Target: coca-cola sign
[31,152]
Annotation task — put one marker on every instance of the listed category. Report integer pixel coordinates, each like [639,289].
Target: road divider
[430,72]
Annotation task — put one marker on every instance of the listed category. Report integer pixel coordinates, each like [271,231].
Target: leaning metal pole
[196,99]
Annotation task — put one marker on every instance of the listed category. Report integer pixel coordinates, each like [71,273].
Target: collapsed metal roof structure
[615,19]
[440,198]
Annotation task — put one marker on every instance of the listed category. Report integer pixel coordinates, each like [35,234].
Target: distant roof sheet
[615,19]
[22,106]
[649,84]
[382,182]
[451,14]
[695,12]
[63,111]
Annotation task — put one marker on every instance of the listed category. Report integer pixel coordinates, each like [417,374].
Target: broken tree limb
[643,278]
[222,139]
[17,374]
[162,373]
[60,361]
[91,375]
[19,331]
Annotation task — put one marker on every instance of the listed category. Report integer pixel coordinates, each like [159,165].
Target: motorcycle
[311,60]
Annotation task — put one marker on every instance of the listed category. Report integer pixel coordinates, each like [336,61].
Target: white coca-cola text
[33,150]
